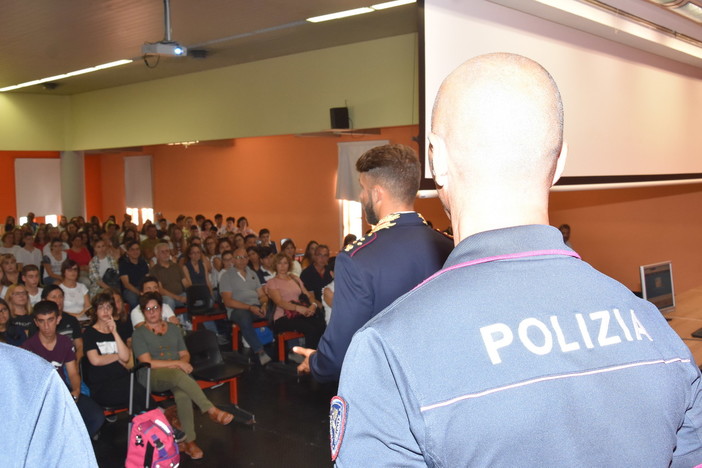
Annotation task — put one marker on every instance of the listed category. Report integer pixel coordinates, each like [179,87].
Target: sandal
[219,416]
[191,449]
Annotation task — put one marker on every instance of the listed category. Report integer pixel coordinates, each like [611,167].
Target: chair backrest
[199,298]
[203,348]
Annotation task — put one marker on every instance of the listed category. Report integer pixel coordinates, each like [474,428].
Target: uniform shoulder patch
[337,424]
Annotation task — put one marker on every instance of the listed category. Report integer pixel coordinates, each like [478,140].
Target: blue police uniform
[399,253]
[518,354]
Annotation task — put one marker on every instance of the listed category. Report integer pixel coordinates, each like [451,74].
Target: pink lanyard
[531,253]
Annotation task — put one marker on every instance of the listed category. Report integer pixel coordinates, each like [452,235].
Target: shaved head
[502,115]
[496,137]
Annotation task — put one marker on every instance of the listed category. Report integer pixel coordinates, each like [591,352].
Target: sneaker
[223,340]
[263,358]
[111,418]
[179,435]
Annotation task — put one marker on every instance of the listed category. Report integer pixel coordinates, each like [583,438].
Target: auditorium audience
[8,244]
[264,240]
[151,284]
[52,262]
[317,275]
[171,276]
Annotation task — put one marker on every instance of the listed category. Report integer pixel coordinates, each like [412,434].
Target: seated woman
[197,267]
[308,258]
[80,254]
[75,295]
[17,299]
[242,227]
[9,333]
[161,344]
[10,271]
[284,290]
[288,248]
[109,358]
[98,266]
[52,262]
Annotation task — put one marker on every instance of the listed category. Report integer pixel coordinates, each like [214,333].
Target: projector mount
[166,46]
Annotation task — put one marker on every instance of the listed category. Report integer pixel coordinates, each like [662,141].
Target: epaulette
[385,223]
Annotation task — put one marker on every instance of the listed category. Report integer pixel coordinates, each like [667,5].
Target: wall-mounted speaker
[339,117]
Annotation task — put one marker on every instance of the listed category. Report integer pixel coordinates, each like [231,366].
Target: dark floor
[291,429]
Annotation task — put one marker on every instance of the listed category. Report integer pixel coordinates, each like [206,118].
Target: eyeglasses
[19,293]
[5,310]
[240,257]
[149,309]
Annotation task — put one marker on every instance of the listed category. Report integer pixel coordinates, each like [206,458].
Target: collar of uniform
[506,241]
[400,217]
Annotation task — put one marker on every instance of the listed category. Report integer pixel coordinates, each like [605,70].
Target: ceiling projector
[164,48]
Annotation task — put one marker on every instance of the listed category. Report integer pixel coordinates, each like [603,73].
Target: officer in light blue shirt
[516,353]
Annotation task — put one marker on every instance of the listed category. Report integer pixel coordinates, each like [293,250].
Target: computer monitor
[657,285]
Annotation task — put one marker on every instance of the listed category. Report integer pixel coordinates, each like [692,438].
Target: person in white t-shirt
[30,278]
[151,284]
[28,254]
[75,295]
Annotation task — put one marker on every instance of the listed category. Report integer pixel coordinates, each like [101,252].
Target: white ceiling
[40,38]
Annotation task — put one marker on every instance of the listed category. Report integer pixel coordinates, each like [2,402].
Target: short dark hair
[27,268]
[49,289]
[67,265]
[150,296]
[395,167]
[45,308]
[263,231]
[249,236]
[218,215]
[265,252]
[147,279]
[103,297]
[231,218]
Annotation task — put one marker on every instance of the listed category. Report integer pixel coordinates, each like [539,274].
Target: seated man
[30,278]
[264,240]
[173,281]
[59,351]
[148,244]
[151,284]
[68,325]
[132,269]
[317,275]
[28,254]
[245,300]
[266,254]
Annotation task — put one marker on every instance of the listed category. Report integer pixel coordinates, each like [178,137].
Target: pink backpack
[151,442]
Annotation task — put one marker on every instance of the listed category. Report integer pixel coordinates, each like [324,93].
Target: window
[351,218]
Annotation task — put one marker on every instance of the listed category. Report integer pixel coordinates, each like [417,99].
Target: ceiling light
[341,14]
[690,10]
[67,75]
[359,11]
[394,3]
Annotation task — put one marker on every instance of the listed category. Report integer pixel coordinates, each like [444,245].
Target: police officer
[399,252]
[517,353]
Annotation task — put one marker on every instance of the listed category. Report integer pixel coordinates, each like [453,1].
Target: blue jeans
[244,319]
[173,303]
[130,298]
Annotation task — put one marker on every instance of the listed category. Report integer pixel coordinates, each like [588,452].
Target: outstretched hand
[304,367]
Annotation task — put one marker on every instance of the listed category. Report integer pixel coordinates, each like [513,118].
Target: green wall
[291,94]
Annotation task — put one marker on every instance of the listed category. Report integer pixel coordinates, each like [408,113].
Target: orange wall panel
[93,185]
[618,230]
